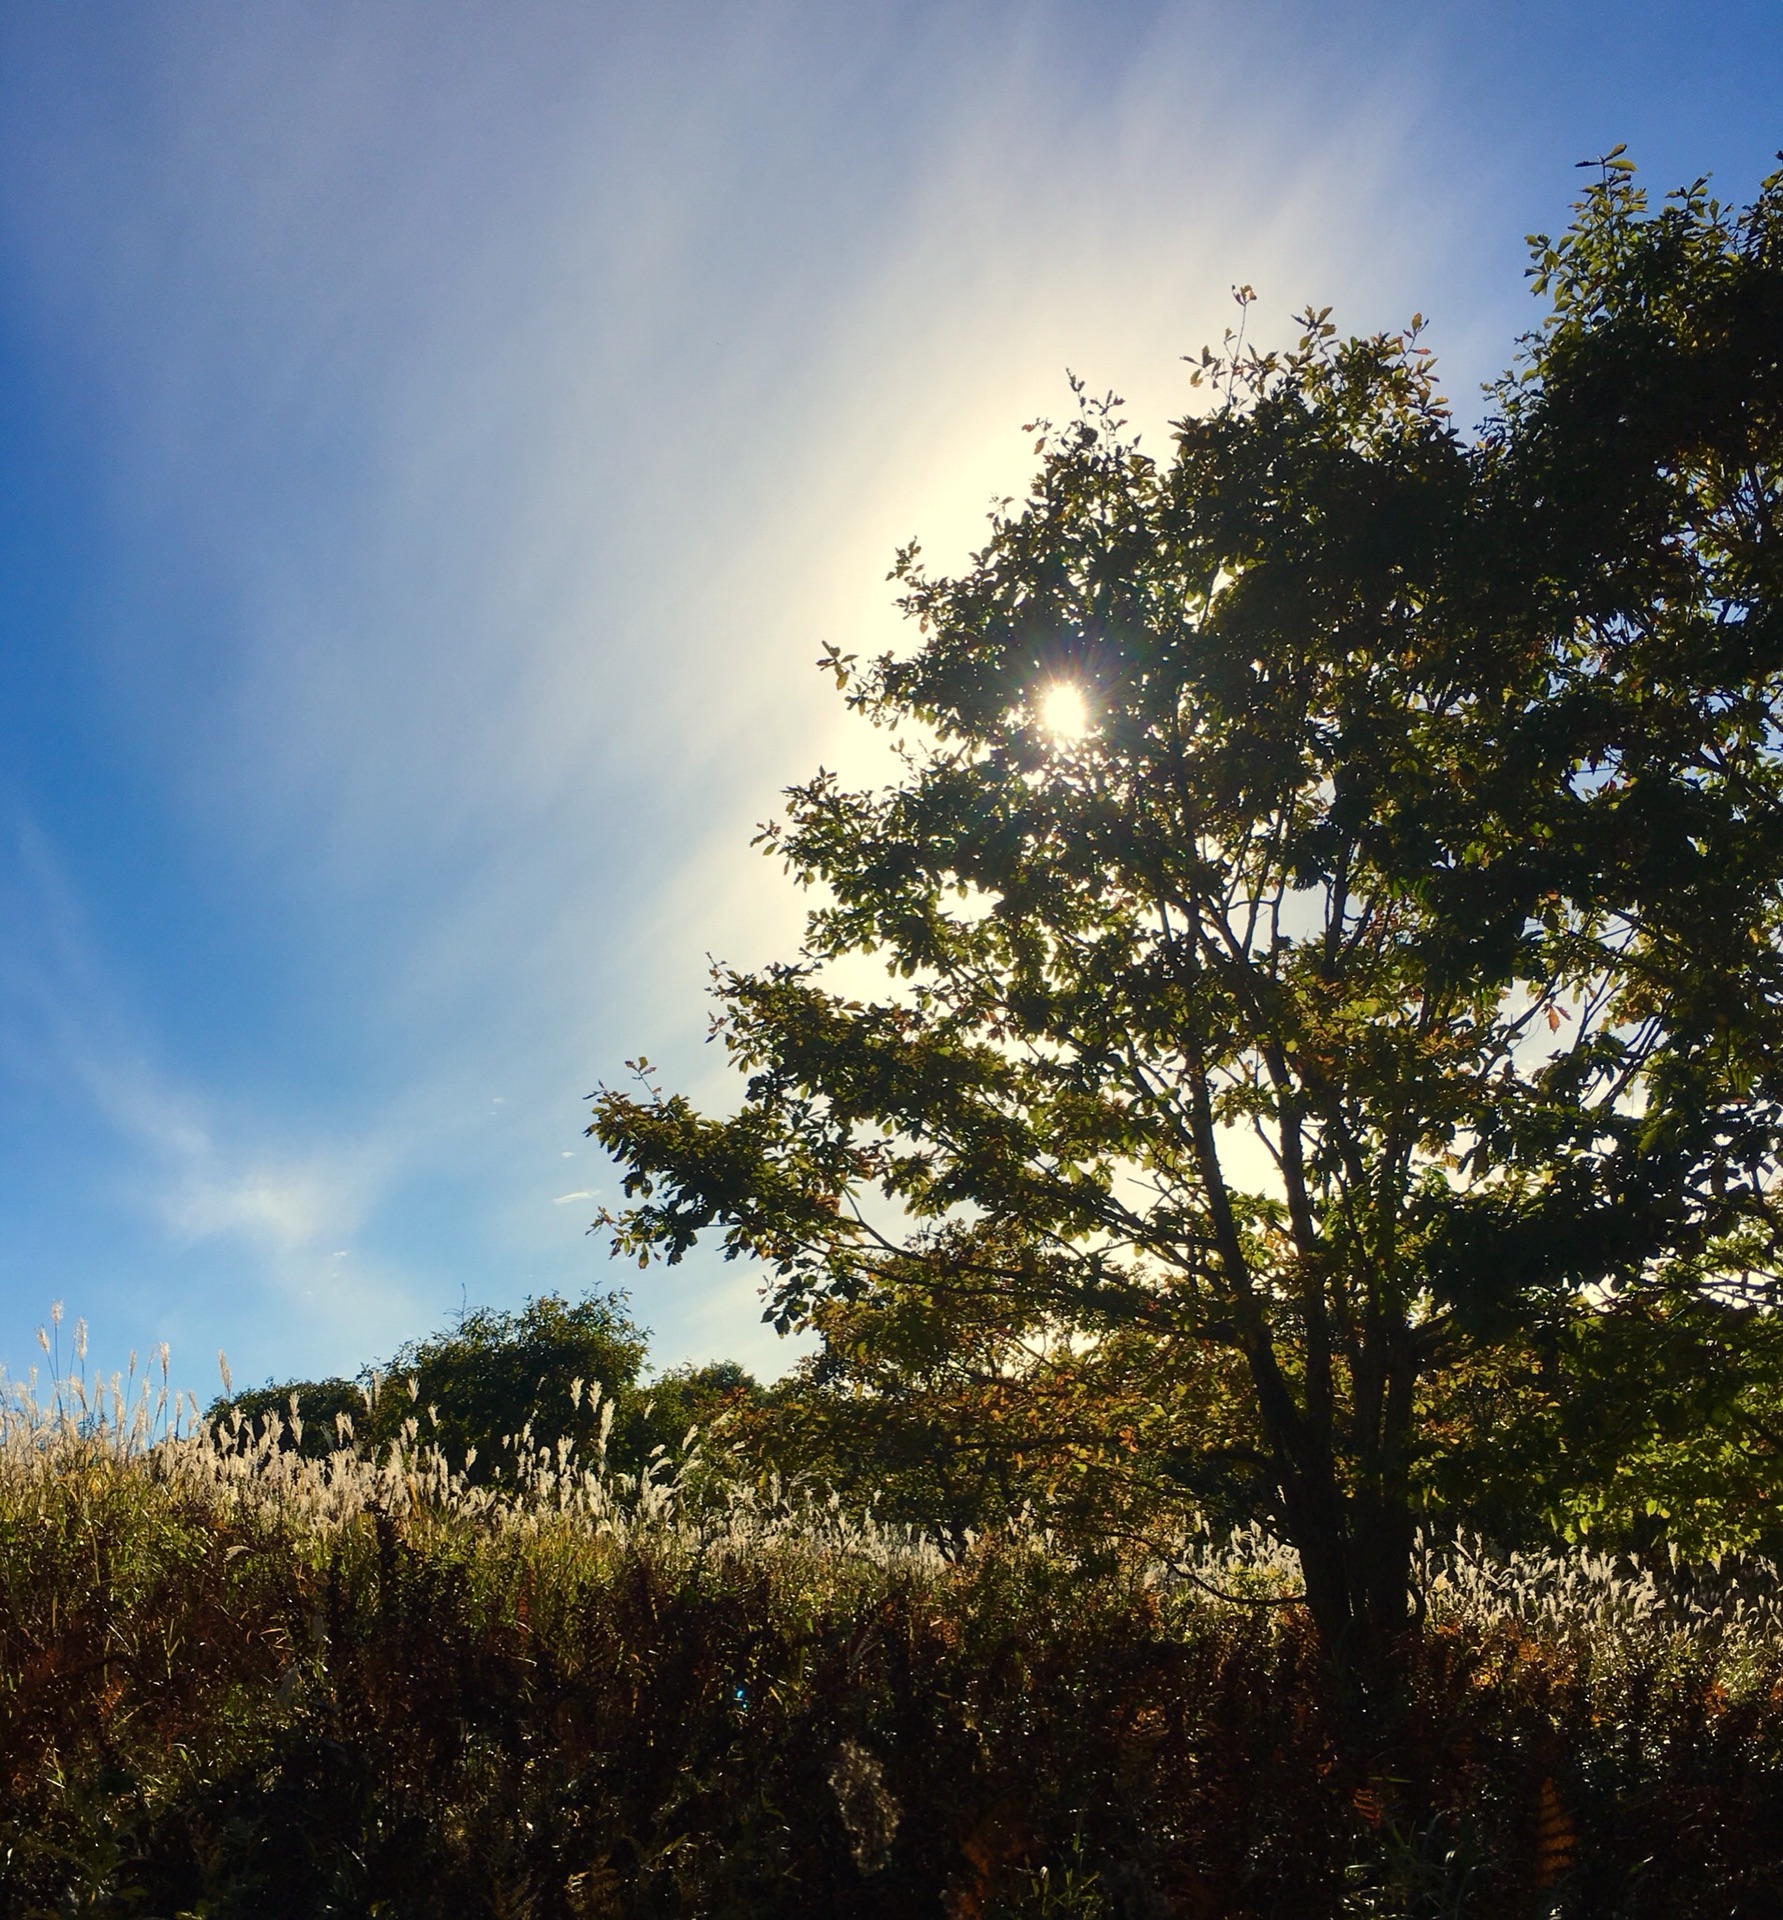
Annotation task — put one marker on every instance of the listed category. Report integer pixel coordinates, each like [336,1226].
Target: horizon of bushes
[953,1427]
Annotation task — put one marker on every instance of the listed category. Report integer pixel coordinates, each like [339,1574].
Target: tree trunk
[1355,1559]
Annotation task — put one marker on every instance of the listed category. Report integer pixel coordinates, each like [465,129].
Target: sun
[1064,712]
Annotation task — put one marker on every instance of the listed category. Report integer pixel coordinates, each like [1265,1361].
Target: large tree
[1330,904]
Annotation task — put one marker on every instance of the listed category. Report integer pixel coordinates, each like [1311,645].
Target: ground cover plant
[242,1680]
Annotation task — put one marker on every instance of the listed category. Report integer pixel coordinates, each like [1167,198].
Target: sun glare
[1064,712]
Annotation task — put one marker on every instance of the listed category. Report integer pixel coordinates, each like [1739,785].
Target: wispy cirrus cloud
[495,422]
[474,422]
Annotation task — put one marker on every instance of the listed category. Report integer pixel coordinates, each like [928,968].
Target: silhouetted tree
[1331,903]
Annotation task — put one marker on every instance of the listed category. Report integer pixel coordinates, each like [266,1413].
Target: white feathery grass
[1604,1608]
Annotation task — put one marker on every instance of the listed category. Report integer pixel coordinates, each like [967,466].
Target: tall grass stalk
[236,1679]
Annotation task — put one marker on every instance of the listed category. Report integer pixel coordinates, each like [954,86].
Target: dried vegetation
[237,1680]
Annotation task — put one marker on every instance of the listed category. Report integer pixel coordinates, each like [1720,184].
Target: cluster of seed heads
[138,1422]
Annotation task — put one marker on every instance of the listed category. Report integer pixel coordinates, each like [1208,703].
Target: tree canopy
[1369,964]
[558,1369]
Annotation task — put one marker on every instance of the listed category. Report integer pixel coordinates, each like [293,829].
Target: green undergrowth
[234,1681]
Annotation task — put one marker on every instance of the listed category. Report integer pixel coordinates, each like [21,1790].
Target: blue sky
[435,441]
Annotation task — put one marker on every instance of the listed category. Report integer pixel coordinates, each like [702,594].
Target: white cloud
[495,417]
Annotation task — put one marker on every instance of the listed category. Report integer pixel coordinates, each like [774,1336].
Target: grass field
[237,1681]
